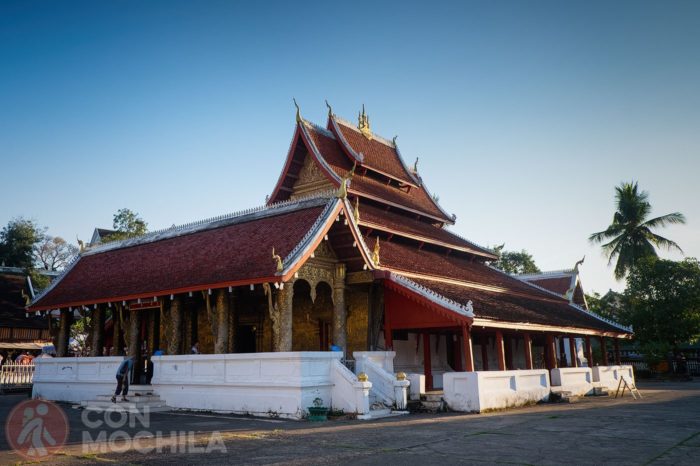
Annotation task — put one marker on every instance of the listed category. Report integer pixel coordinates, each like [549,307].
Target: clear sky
[525,115]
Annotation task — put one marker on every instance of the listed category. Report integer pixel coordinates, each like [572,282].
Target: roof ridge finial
[330,110]
[415,166]
[363,123]
[375,253]
[298,111]
[345,183]
[278,259]
[356,210]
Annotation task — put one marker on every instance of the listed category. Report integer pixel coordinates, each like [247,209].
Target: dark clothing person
[123,373]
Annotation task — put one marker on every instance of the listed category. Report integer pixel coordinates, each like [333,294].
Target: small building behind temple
[19,331]
[352,253]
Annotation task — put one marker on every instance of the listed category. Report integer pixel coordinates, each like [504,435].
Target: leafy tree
[514,262]
[17,240]
[611,305]
[54,253]
[630,233]
[664,303]
[128,225]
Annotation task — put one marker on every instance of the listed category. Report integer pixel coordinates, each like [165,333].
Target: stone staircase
[141,399]
[377,410]
[432,401]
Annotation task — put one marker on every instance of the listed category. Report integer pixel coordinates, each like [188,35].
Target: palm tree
[630,234]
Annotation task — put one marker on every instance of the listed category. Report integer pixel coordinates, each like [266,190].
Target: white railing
[75,379]
[379,367]
[349,394]
[491,390]
[15,376]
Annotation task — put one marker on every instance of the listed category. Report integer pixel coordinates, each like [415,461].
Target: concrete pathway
[662,428]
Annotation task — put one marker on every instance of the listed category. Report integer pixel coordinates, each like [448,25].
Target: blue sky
[525,115]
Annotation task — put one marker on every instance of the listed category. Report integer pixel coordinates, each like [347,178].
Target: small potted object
[318,412]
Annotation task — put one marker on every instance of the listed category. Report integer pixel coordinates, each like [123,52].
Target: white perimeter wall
[490,390]
[75,379]
[262,384]
[609,376]
[577,380]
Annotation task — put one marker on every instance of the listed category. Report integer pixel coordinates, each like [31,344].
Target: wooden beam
[468,353]
[528,350]
[427,363]
[500,351]
[572,351]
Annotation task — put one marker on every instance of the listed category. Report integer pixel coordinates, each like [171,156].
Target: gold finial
[26,297]
[363,123]
[375,253]
[277,258]
[298,111]
[356,211]
[415,166]
[345,183]
[400,376]
[81,244]
[330,110]
[362,377]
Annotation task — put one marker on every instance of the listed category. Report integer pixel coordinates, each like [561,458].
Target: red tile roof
[377,155]
[496,295]
[226,252]
[389,221]
[12,312]
[416,200]
[558,285]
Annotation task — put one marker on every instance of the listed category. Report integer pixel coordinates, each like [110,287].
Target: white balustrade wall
[609,376]
[74,379]
[492,390]
[577,380]
[281,384]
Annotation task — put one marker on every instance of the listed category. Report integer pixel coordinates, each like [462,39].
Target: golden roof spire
[298,111]
[363,123]
[375,253]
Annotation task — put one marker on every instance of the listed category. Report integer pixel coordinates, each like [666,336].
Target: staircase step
[433,406]
[143,398]
[122,404]
[124,409]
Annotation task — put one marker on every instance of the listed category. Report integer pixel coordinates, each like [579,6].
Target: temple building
[351,253]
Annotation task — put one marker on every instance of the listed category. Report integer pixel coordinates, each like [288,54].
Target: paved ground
[663,428]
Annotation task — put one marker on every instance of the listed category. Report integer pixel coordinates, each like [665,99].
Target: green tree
[611,305]
[17,240]
[128,225]
[664,303]
[630,234]
[514,262]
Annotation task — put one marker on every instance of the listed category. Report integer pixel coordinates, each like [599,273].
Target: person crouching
[123,373]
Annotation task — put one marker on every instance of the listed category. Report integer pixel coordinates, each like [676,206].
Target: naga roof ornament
[298,111]
[363,123]
[278,259]
[345,183]
[356,210]
[375,253]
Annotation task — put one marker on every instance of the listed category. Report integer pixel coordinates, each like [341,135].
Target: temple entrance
[312,317]
[246,339]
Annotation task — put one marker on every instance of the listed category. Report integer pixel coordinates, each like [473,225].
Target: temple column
[468,353]
[528,350]
[604,350]
[427,363]
[616,349]
[500,351]
[98,331]
[284,304]
[134,349]
[64,332]
[117,339]
[175,343]
[572,351]
[485,352]
[339,310]
[222,318]
[589,351]
[551,352]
